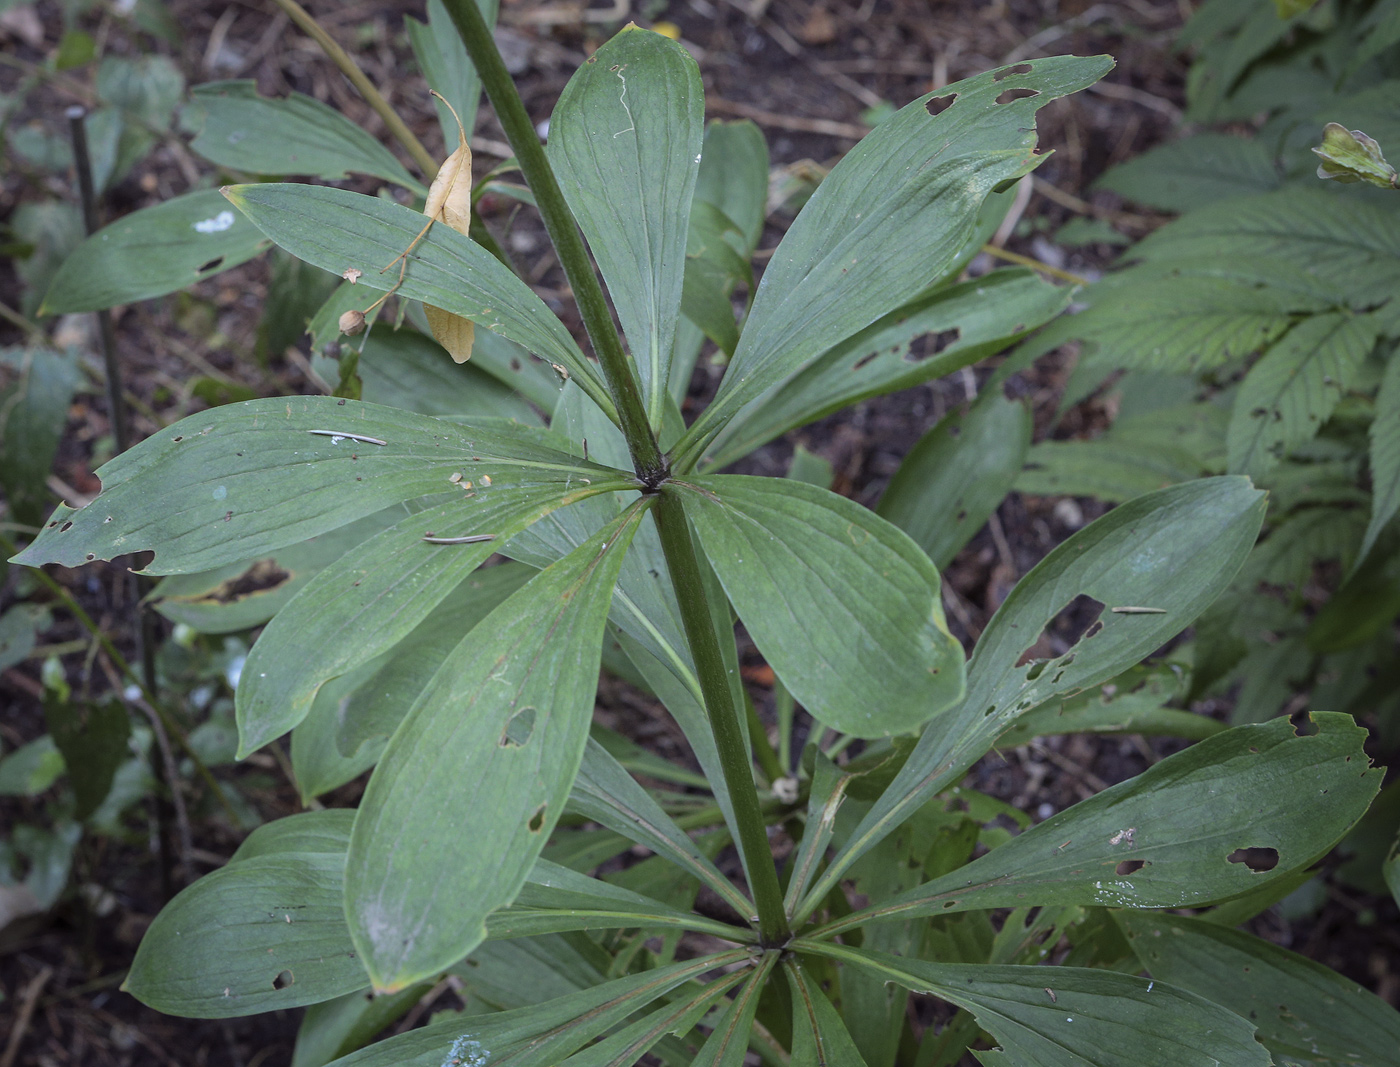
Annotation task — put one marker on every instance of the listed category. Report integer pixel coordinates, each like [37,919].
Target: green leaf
[239,481]
[318,765]
[1306,1013]
[294,135]
[373,596]
[474,780]
[1384,457]
[324,831]
[258,935]
[337,230]
[1207,168]
[18,631]
[728,1043]
[338,1027]
[734,177]
[1074,1017]
[957,475]
[152,252]
[31,768]
[92,740]
[872,655]
[937,334]
[149,87]
[890,218]
[1174,550]
[538,1035]
[1350,156]
[819,1036]
[33,412]
[445,64]
[1191,829]
[407,369]
[625,143]
[1287,396]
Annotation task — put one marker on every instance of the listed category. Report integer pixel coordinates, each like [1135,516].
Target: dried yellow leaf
[453,332]
[450,201]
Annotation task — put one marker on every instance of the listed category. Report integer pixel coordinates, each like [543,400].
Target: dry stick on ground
[28,1000]
[849,130]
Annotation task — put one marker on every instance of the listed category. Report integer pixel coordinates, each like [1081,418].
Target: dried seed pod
[352,322]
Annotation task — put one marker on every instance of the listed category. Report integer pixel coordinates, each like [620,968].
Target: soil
[807,72]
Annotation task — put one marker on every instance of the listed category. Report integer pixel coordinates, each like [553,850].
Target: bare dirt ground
[806,72]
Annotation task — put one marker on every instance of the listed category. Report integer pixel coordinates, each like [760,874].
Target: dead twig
[28,1000]
[827,127]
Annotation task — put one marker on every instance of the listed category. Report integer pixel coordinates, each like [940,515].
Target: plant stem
[1034,264]
[358,79]
[724,718]
[563,232]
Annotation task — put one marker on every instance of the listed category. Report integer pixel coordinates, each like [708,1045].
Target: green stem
[725,724]
[563,232]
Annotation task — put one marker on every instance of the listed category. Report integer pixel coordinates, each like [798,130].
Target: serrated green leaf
[1175,550]
[873,656]
[892,216]
[258,935]
[957,474]
[1287,396]
[337,230]
[1384,457]
[476,776]
[1075,1017]
[236,482]
[1306,1013]
[152,252]
[296,134]
[1174,836]
[1207,168]
[625,142]
[935,335]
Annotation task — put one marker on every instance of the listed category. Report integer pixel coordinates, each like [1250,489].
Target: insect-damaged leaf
[152,252]
[1205,824]
[843,605]
[242,480]
[466,794]
[336,230]
[889,219]
[625,142]
[1305,1012]
[294,135]
[1174,550]
[1075,1017]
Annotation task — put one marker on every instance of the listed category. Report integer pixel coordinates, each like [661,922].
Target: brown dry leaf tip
[352,322]
[450,201]
[352,274]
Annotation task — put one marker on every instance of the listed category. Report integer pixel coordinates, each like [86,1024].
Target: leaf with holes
[1074,1017]
[1287,396]
[1306,1013]
[935,335]
[625,142]
[1171,552]
[957,475]
[235,482]
[296,134]
[1206,824]
[843,605]
[888,220]
[476,776]
[152,252]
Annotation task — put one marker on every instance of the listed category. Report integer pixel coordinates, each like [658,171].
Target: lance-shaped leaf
[628,1045]
[541,1034]
[260,934]
[1205,824]
[235,482]
[819,1036]
[448,69]
[1171,552]
[607,794]
[843,605]
[830,788]
[152,252]
[728,1043]
[335,1028]
[294,135]
[930,337]
[375,594]
[475,778]
[1287,396]
[957,475]
[625,142]
[1074,1017]
[338,230]
[888,220]
[1305,1012]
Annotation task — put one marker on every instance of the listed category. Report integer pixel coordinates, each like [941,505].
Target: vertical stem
[563,232]
[724,718]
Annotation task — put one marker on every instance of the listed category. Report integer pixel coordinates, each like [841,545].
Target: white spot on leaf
[218,224]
